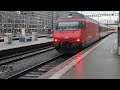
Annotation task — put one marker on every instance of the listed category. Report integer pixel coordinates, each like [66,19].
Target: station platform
[17,38]
[17,44]
[99,61]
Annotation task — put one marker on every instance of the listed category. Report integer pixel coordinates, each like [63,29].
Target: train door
[87,33]
[83,32]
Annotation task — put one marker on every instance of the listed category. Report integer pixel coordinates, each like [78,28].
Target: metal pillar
[119,35]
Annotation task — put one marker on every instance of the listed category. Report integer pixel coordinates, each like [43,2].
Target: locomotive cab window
[71,25]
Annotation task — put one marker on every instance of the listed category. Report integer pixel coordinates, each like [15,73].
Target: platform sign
[23,31]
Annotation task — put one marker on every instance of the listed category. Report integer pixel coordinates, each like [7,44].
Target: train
[75,31]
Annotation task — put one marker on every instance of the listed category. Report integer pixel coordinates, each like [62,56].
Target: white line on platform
[74,62]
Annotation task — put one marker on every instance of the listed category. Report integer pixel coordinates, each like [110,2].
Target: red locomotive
[75,31]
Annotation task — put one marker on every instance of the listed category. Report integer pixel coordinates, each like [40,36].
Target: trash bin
[34,36]
[8,38]
[22,39]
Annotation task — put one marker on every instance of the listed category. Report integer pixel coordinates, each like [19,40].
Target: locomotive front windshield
[74,25]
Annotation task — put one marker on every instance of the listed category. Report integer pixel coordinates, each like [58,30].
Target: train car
[111,30]
[74,31]
[103,30]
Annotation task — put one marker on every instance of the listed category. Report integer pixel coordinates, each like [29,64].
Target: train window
[71,25]
[83,24]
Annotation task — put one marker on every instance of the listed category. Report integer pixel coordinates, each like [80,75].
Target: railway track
[41,68]
[11,66]
[32,67]
[13,52]
[21,55]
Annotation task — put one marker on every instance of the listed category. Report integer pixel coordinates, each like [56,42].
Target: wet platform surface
[102,63]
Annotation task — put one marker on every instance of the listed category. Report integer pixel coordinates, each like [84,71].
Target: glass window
[67,25]
[83,25]
[72,25]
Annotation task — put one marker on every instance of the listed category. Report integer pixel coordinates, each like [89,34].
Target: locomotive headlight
[55,40]
[78,40]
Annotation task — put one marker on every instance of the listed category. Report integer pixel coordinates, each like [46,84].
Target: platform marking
[73,63]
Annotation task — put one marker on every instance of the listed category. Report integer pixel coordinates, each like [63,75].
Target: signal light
[56,40]
[78,40]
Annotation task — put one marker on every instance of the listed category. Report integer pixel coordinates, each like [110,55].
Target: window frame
[79,25]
